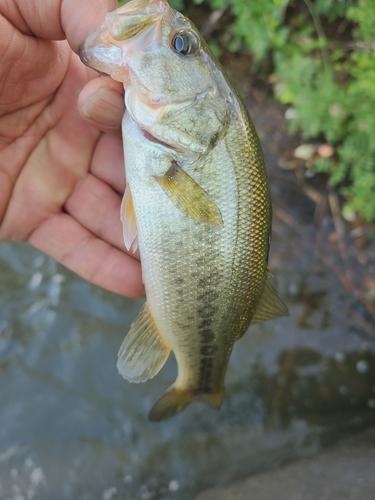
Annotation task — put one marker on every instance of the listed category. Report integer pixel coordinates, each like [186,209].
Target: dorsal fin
[269,306]
[144,351]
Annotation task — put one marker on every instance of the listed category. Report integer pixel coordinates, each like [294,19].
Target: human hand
[61,166]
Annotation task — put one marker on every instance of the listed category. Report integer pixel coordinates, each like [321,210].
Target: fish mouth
[100,55]
[105,49]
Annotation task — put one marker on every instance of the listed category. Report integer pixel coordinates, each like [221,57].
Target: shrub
[324,60]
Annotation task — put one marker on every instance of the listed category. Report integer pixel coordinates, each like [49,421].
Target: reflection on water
[72,428]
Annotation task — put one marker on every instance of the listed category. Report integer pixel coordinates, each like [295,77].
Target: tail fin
[175,400]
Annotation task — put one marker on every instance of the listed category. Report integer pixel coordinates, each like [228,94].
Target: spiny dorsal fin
[269,306]
[143,352]
[129,221]
[189,197]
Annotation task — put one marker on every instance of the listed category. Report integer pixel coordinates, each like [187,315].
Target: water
[72,428]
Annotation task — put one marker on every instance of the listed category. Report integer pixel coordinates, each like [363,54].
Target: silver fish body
[197,201]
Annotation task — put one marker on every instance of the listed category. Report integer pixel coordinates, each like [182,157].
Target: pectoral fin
[189,197]
[129,221]
[143,352]
[269,306]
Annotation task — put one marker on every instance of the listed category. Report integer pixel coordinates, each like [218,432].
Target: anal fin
[143,352]
[269,306]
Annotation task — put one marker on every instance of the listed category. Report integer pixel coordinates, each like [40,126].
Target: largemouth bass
[197,201]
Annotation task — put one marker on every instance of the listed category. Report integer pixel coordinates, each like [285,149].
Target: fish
[197,201]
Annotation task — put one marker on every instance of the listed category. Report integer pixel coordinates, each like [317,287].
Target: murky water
[72,429]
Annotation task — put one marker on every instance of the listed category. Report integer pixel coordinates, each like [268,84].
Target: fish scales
[186,267]
[198,192]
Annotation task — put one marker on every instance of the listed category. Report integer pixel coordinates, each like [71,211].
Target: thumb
[57,19]
[78,19]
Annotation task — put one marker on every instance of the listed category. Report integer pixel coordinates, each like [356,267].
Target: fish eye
[184,42]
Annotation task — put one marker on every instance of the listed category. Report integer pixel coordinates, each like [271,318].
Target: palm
[60,178]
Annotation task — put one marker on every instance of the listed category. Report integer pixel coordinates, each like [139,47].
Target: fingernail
[106,107]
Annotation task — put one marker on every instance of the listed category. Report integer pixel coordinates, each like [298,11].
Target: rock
[344,472]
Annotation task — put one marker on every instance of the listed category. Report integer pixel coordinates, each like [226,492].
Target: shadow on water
[72,428]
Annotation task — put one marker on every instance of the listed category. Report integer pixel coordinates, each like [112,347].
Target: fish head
[166,68]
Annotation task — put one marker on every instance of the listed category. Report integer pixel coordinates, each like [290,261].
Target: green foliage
[327,77]
[324,60]
[338,102]
[257,24]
